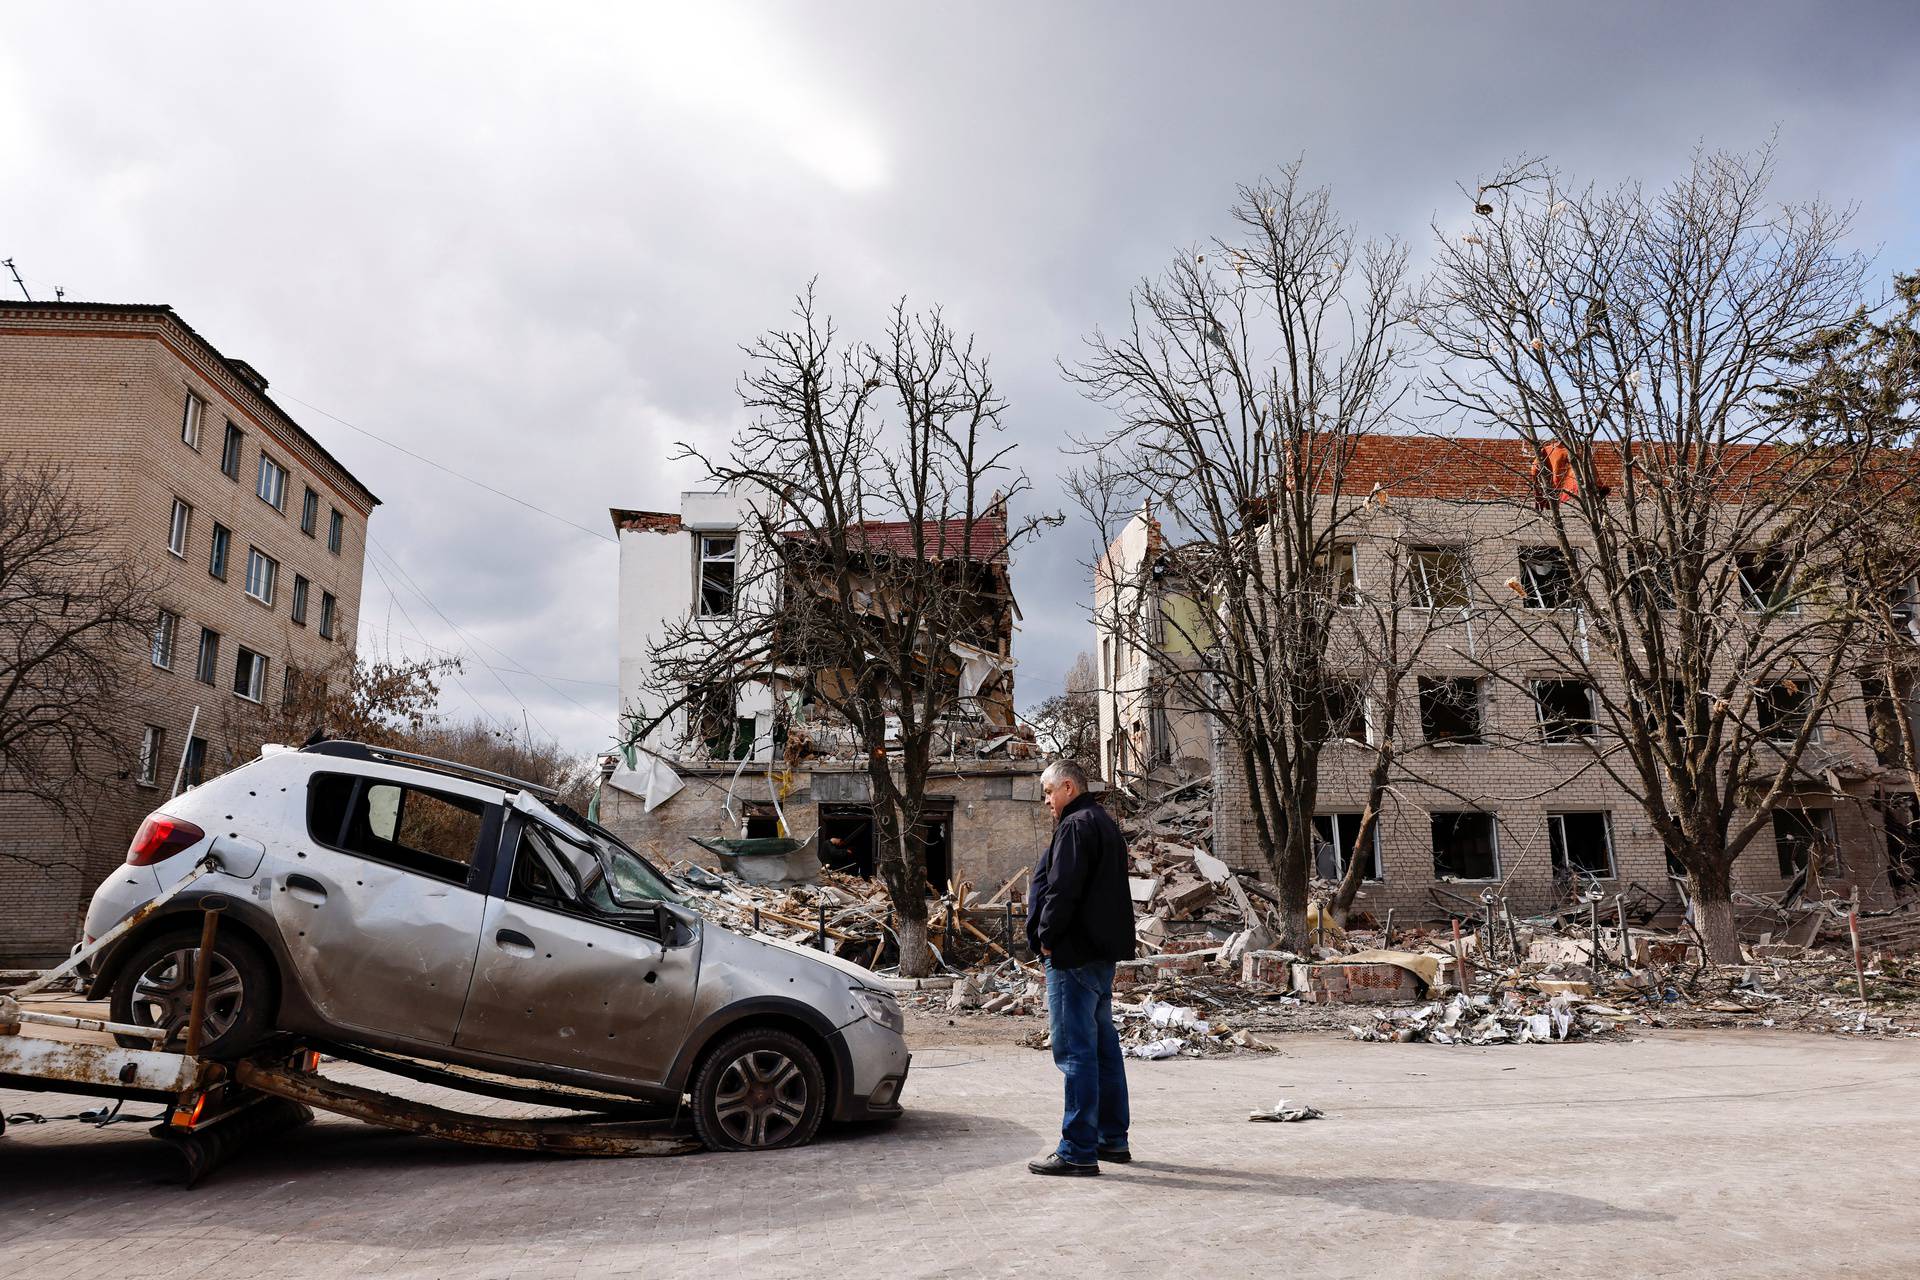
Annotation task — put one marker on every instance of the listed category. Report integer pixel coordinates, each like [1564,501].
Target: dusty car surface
[418,907]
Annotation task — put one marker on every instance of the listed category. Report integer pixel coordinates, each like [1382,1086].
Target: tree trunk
[1710,878]
[1290,878]
[916,958]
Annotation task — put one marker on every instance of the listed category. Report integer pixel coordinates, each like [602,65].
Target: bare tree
[74,617]
[1246,377]
[872,571]
[1068,724]
[1640,346]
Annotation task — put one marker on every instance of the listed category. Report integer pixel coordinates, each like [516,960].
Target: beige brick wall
[1518,780]
[103,393]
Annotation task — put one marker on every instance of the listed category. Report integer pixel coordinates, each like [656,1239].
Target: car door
[380,907]
[563,978]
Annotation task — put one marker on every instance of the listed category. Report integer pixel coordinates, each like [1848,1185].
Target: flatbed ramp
[214,1109]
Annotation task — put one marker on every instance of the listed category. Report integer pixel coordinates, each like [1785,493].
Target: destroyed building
[1499,789]
[763,758]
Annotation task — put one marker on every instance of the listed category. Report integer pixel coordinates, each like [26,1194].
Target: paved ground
[1714,1153]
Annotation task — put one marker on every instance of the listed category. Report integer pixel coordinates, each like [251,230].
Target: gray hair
[1065,771]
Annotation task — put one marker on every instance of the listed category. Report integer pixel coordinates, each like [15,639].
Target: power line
[394,596]
[458,475]
[428,644]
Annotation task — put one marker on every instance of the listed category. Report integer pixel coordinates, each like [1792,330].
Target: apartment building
[254,532]
[1499,784]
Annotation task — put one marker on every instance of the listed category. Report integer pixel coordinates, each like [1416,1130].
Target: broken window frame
[1766,582]
[232,445]
[1558,729]
[1355,724]
[716,574]
[1336,829]
[1546,579]
[1791,846]
[1559,852]
[1440,579]
[1454,818]
[1443,692]
[1341,565]
[1780,711]
[153,746]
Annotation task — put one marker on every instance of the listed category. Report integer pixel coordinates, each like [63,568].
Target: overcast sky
[527,241]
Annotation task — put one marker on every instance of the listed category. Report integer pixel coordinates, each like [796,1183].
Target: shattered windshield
[633,881]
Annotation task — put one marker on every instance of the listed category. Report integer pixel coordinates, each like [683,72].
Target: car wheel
[154,988]
[759,1090]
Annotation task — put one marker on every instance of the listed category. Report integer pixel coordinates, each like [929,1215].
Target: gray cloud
[528,241]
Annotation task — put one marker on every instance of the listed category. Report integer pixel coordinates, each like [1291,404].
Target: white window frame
[180,528]
[1558,818]
[165,628]
[1531,595]
[1346,594]
[702,558]
[1540,714]
[1338,819]
[1752,601]
[263,575]
[1362,704]
[190,420]
[269,470]
[1424,581]
[153,742]
[256,690]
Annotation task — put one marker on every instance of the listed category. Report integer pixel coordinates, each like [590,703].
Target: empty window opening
[1797,833]
[230,452]
[1546,579]
[1440,577]
[193,765]
[1464,846]
[309,512]
[1782,709]
[1450,710]
[1565,710]
[1333,841]
[1766,582]
[1346,712]
[1580,843]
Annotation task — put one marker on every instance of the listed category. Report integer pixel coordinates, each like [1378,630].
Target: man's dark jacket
[1079,906]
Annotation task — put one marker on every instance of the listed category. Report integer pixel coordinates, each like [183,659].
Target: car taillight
[159,838]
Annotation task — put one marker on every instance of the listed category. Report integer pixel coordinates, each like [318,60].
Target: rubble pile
[1210,978]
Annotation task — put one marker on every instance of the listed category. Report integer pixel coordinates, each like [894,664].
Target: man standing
[1080,918]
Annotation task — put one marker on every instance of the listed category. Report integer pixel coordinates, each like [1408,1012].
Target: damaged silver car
[418,907]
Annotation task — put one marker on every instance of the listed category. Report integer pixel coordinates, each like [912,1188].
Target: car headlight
[881,1007]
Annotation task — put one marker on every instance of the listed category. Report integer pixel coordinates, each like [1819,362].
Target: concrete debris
[1285,1112]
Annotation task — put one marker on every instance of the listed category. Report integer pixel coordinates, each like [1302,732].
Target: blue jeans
[1086,1048]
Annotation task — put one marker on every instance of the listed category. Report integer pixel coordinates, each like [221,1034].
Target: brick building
[255,533]
[1492,790]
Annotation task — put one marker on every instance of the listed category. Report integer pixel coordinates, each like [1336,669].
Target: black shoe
[1115,1155]
[1057,1166]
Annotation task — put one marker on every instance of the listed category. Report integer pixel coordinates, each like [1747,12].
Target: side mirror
[663,924]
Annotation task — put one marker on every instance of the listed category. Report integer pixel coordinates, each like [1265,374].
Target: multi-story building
[254,533]
[761,758]
[1498,782]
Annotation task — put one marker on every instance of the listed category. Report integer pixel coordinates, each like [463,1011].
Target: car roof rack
[349,750]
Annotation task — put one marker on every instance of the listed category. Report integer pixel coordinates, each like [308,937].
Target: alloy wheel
[163,994]
[762,1098]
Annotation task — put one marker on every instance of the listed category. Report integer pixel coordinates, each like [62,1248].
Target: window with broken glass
[1439,577]
[717,564]
[1450,710]
[1580,843]
[1343,576]
[1564,709]
[718,725]
[1797,833]
[1782,709]
[1766,583]
[1346,712]
[1546,578]
[1334,835]
[1465,846]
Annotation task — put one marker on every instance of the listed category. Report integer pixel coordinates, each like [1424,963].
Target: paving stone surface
[1724,1154]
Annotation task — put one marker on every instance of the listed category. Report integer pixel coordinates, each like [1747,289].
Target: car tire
[155,988]
[759,1090]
